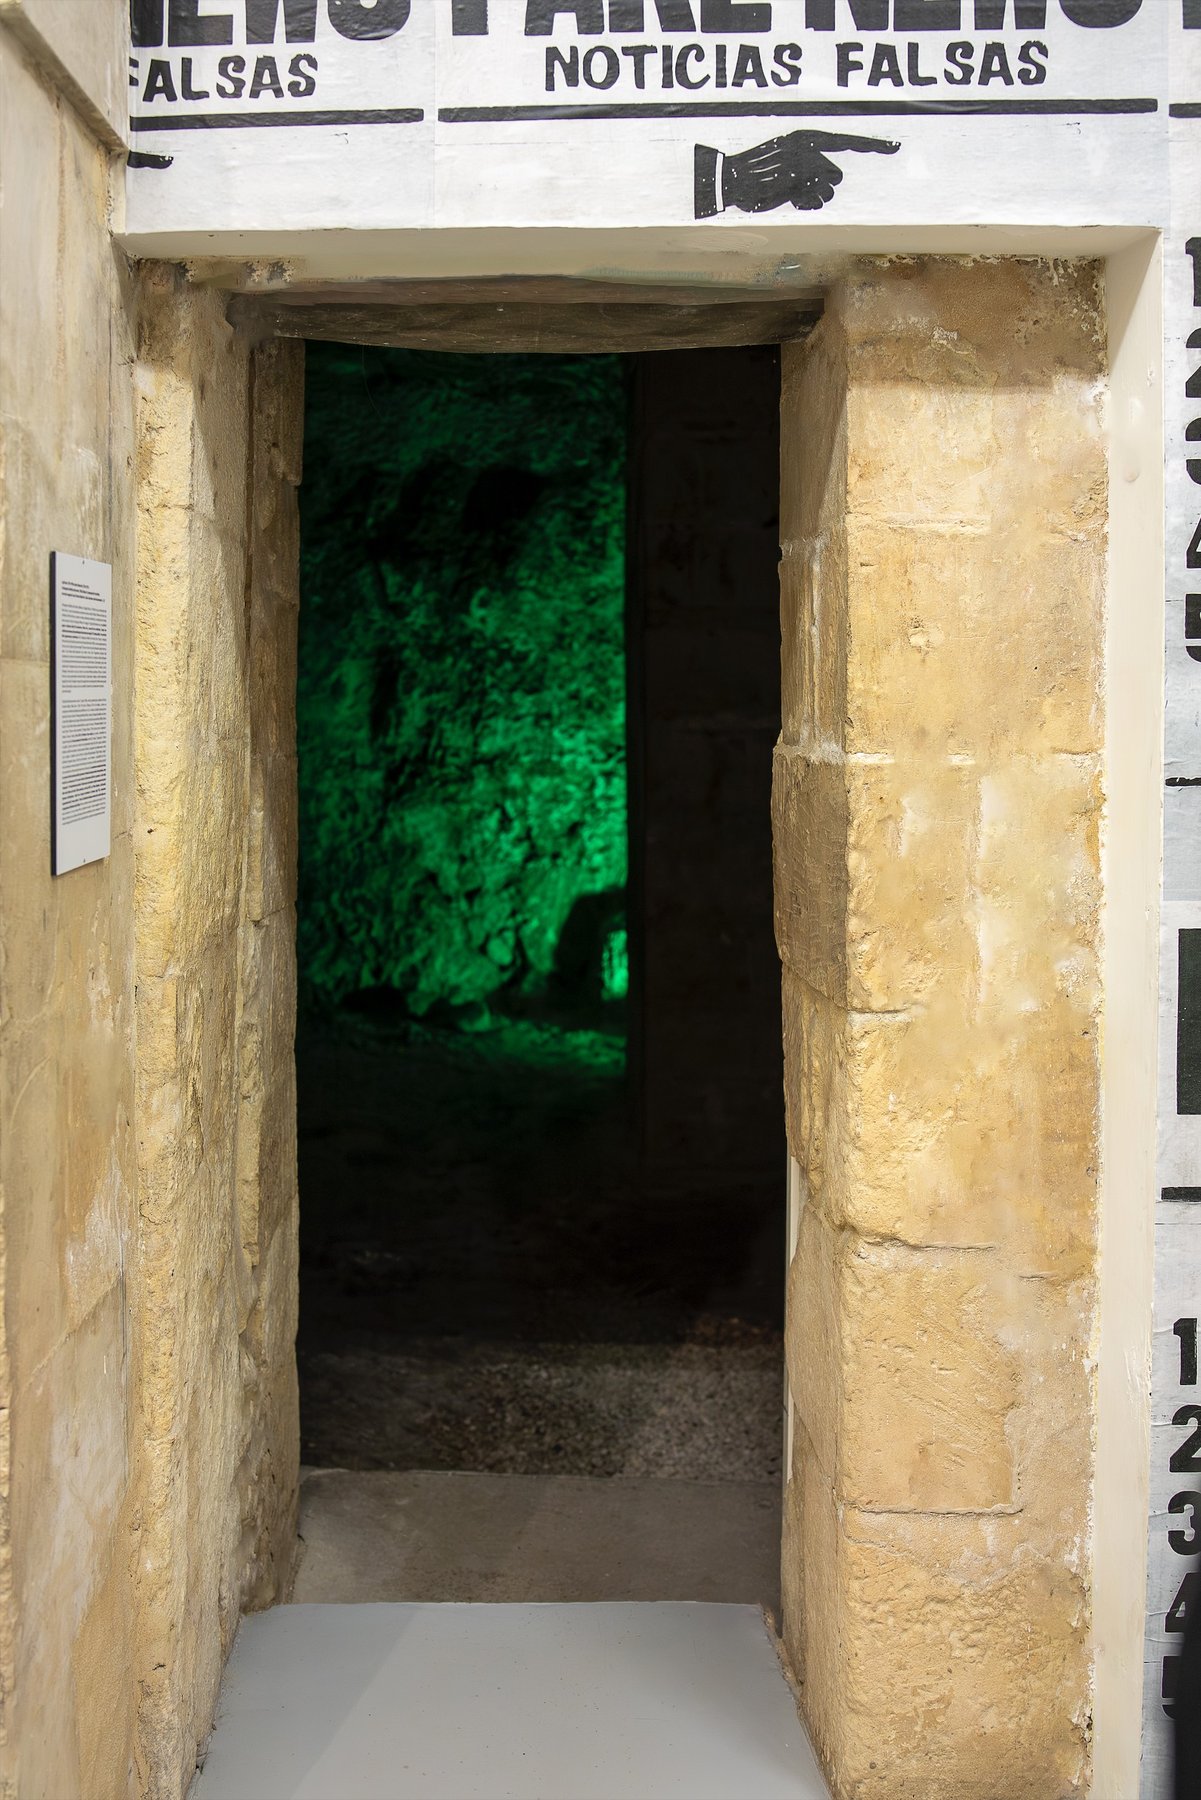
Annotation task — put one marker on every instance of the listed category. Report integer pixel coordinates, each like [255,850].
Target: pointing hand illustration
[795,167]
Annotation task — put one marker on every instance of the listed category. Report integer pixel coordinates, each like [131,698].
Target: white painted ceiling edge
[775,259]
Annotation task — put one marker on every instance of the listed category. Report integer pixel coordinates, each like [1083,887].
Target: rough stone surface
[461,702]
[68,1361]
[937,808]
[214,908]
[145,1027]
[709,1412]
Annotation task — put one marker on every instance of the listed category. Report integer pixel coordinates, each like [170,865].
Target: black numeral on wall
[1187,1460]
[1188,1022]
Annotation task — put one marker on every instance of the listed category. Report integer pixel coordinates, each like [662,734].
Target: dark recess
[481,1163]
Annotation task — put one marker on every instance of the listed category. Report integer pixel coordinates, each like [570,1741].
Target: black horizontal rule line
[1182,781]
[1180,1193]
[1185,109]
[787,109]
[400,115]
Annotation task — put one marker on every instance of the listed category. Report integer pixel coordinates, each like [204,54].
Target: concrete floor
[425,1535]
[447,1702]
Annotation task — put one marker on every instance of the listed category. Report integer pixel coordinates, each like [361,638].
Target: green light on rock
[615,967]
[461,691]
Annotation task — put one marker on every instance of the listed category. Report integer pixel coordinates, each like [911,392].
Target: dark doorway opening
[540,1107]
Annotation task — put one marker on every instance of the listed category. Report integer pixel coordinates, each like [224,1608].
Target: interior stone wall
[937,811]
[219,431]
[704,717]
[69,1360]
[148,1452]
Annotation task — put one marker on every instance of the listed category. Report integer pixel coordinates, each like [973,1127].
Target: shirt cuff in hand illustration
[793,169]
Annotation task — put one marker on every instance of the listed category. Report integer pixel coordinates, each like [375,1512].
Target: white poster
[1174,1541]
[302,115]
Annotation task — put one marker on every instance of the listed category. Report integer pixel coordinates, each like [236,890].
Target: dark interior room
[542,1163]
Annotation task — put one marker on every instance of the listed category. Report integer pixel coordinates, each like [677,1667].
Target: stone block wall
[219,432]
[68,1187]
[937,808]
[148,1433]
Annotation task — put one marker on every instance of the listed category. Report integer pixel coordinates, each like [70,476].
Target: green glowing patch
[615,965]
[461,693]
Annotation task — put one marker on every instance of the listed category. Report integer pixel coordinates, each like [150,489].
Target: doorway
[940,779]
[540,1098]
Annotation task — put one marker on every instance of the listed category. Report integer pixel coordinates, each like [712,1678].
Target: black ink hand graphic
[794,168]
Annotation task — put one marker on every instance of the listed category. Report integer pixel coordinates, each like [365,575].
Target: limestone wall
[937,806]
[147,1116]
[68,1562]
[215,911]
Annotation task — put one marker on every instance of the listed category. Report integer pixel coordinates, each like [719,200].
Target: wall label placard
[81,619]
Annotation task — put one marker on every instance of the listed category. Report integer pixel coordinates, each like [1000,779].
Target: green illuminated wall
[461,698]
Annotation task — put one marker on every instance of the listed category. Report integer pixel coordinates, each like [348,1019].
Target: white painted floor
[611,1701]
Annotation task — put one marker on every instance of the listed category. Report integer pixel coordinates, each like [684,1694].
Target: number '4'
[1177,1615]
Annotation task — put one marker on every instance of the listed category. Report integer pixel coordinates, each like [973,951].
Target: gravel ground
[676,1411]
